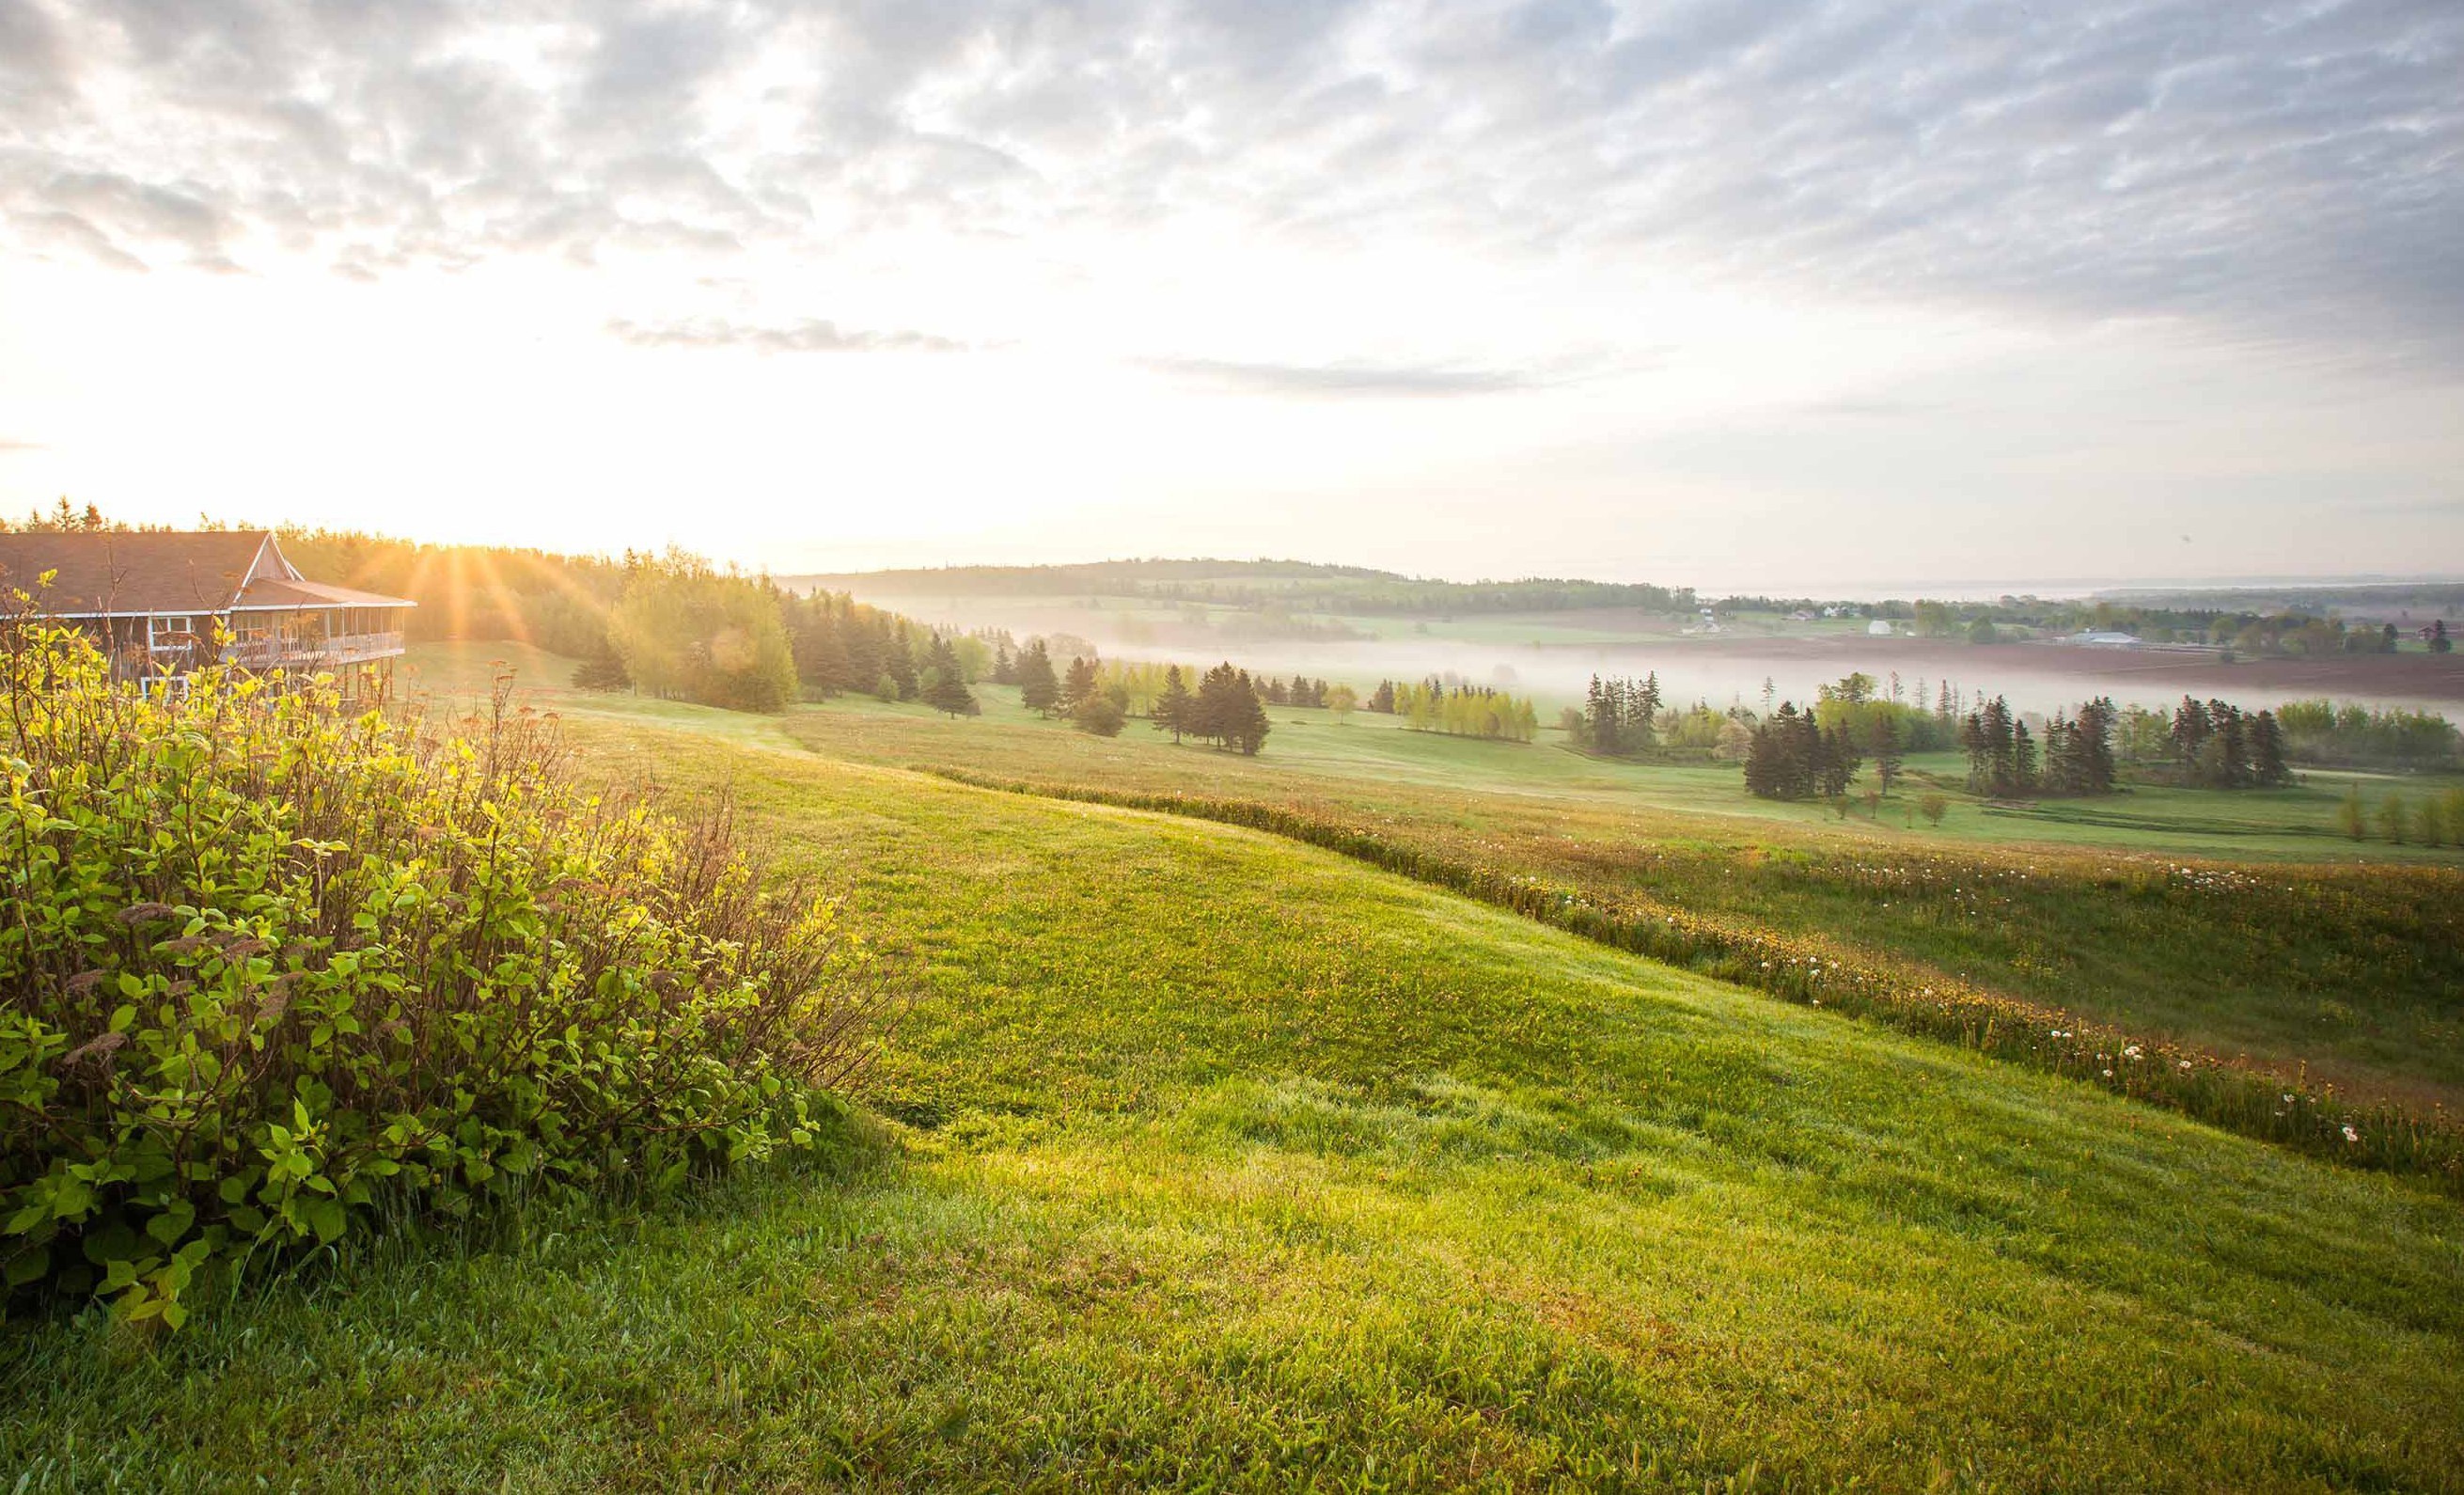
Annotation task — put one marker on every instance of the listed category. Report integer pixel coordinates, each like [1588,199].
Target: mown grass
[2352,976]
[1219,1162]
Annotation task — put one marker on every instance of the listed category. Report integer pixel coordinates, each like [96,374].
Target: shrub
[268,969]
[1099,715]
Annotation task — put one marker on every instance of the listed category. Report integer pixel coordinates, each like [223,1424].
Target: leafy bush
[268,969]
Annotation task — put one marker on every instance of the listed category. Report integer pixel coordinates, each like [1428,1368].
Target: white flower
[2130,1050]
[2351,1135]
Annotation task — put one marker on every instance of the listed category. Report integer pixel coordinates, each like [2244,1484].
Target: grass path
[1217,1162]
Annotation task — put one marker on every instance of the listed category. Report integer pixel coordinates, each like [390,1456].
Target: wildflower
[2186,1064]
[2351,1135]
[2130,1050]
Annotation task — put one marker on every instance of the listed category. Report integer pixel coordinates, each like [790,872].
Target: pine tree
[1382,700]
[898,661]
[1212,714]
[1077,684]
[945,683]
[1250,726]
[603,670]
[1887,753]
[2093,738]
[2268,768]
[1172,707]
[2439,642]
[1037,688]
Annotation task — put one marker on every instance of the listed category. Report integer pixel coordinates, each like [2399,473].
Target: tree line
[1462,711]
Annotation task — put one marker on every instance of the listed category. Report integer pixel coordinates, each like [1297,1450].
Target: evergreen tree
[898,661]
[1037,688]
[603,670]
[1004,667]
[945,682]
[1835,761]
[1643,724]
[1383,699]
[2093,738]
[1248,726]
[1887,753]
[2268,768]
[1173,705]
[2439,642]
[1077,686]
[1214,711]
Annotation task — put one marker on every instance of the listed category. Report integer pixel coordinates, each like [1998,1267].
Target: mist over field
[1554,657]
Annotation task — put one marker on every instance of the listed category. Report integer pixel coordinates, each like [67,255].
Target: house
[160,603]
[1879,629]
[2101,638]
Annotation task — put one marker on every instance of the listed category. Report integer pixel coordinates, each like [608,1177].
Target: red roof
[137,573]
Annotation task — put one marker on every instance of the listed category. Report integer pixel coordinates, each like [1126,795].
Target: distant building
[159,605]
[2096,638]
[1878,628]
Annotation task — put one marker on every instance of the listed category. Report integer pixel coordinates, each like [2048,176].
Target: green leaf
[326,1217]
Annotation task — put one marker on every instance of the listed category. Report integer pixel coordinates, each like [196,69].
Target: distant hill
[1292,585]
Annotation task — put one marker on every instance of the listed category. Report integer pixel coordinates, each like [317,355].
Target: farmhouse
[161,604]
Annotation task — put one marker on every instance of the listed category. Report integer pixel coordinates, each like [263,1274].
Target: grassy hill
[1210,1160]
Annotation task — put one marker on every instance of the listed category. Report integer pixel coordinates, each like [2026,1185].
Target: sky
[1771,296]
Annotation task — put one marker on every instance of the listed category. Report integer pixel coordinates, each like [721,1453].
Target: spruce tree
[1037,688]
[898,661]
[1172,704]
[1888,752]
[1250,726]
[2268,768]
[945,682]
[1077,686]
[1214,713]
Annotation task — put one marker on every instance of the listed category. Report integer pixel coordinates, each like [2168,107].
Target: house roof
[285,592]
[125,574]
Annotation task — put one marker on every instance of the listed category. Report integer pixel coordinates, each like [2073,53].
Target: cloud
[2271,172]
[807,335]
[1313,381]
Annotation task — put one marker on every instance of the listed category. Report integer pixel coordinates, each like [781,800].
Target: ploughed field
[1209,1159]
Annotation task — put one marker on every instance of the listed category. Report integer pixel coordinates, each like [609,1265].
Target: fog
[1732,670]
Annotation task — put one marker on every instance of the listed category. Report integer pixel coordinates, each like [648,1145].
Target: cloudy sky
[1735,293]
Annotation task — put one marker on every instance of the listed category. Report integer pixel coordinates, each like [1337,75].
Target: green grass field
[1206,1160]
[2353,974]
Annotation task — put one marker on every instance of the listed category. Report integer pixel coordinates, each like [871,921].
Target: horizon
[1803,299]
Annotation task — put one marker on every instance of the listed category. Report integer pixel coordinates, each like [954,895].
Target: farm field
[1321,1173]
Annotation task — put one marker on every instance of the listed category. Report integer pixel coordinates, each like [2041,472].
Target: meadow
[1203,1159]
